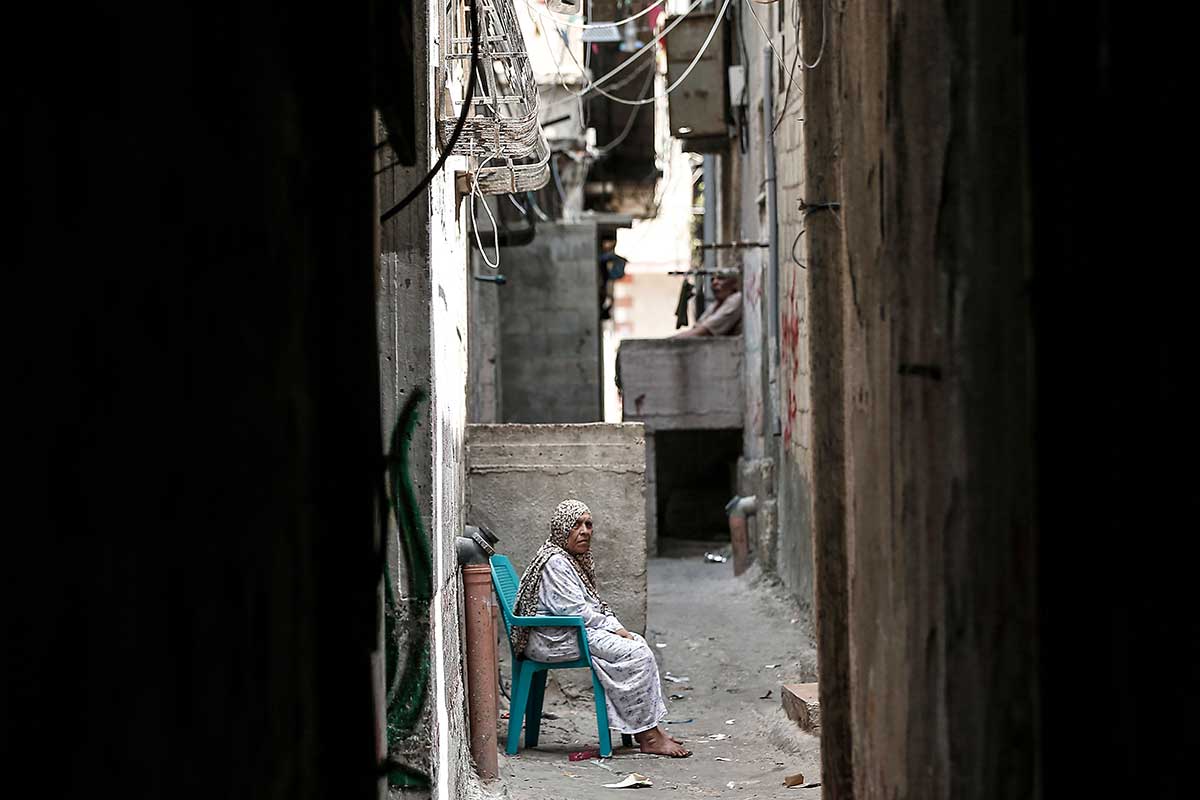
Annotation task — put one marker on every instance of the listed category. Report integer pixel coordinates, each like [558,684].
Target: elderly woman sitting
[561,580]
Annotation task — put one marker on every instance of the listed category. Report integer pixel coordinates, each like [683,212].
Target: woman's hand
[623,633]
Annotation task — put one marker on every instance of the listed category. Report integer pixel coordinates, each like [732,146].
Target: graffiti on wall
[407,685]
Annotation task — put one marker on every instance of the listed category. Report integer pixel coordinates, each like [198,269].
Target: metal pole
[772,233]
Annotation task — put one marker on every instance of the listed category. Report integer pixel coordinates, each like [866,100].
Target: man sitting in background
[724,317]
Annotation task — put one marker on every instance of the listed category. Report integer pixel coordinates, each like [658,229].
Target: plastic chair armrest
[547,622]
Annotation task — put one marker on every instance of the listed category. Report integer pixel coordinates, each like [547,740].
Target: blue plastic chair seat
[529,676]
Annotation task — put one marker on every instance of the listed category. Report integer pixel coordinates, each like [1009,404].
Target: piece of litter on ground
[794,620]
[730,785]
[813,785]
[730,721]
[716,737]
[583,755]
[634,780]
[771,666]
[678,697]
[766,696]
[793,780]
[675,678]
[713,558]
[679,721]
[660,644]
[722,758]
[601,765]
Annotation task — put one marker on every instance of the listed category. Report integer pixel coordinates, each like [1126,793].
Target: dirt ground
[721,633]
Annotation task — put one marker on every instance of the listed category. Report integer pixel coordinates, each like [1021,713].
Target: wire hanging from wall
[459,123]
[501,122]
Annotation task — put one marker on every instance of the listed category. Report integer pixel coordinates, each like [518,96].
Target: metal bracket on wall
[729,245]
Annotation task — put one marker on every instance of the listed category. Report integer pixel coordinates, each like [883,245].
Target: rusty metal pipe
[738,509]
[481,667]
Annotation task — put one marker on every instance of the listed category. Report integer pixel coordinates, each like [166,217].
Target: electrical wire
[458,126]
[700,54]
[593,25]
[767,36]
[646,48]
[633,115]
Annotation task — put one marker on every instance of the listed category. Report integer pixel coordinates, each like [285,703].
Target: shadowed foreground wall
[194,592]
[930,573]
[1001,333]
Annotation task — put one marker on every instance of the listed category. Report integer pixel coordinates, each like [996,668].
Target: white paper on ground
[633,780]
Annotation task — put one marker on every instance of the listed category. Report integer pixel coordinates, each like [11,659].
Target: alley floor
[736,640]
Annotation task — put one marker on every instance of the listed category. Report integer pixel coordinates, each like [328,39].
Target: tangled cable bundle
[501,132]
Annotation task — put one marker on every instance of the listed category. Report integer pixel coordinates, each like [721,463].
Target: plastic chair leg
[601,717]
[533,708]
[627,740]
[522,673]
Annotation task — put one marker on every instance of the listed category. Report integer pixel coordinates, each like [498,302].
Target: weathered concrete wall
[483,345]
[935,338]
[422,315]
[518,474]
[682,384]
[550,327]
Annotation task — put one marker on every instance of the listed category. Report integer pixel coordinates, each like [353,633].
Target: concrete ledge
[682,384]
[801,703]
[517,474]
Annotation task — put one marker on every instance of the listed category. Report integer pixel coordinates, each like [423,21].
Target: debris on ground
[584,755]
[730,721]
[601,765]
[770,666]
[793,780]
[713,558]
[679,721]
[634,780]
[678,697]
[716,737]
[722,758]
[676,678]
[766,696]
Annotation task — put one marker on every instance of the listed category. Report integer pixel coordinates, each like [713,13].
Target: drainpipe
[738,509]
[772,233]
[474,549]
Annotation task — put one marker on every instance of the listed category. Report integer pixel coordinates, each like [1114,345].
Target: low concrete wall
[517,474]
[682,384]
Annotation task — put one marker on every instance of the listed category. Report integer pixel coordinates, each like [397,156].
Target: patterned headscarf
[564,519]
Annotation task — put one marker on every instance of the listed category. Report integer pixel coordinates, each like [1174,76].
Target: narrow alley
[736,641]
[337,331]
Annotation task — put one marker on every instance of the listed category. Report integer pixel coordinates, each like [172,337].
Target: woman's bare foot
[657,742]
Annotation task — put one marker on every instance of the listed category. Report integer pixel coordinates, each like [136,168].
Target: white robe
[626,667]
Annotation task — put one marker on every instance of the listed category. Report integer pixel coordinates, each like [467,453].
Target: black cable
[468,99]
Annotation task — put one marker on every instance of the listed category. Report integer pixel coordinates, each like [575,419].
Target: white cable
[821,49]
[708,40]
[620,67]
[590,25]
[475,222]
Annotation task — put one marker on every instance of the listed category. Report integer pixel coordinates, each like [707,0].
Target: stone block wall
[518,474]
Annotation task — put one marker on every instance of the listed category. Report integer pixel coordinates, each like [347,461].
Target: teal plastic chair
[529,676]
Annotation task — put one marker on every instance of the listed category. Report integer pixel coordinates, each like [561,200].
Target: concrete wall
[930,580]
[483,345]
[518,474]
[422,314]
[550,327]
[682,384]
